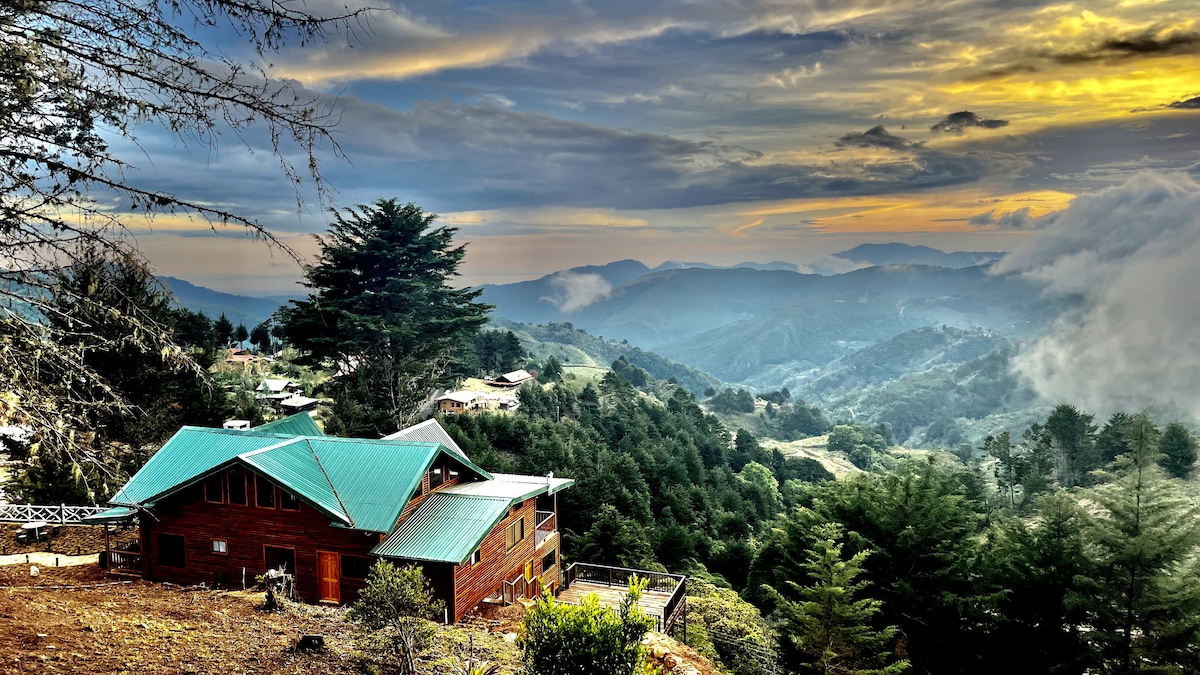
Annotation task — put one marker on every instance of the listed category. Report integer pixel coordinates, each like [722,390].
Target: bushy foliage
[727,629]
[732,401]
[393,614]
[562,639]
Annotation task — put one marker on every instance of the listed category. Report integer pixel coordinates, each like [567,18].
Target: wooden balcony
[547,526]
[665,597]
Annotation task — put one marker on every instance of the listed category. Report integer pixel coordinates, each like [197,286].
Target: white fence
[61,514]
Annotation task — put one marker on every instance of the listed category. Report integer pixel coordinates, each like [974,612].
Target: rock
[660,651]
[33,570]
[669,662]
[510,638]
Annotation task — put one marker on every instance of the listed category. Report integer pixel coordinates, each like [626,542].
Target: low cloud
[1134,46]
[1186,104]
[957,123]
[1128,254]
[1012,220]
[875,137]
[832,264]
[576,291]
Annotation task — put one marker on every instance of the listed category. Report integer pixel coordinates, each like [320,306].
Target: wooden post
[107,550]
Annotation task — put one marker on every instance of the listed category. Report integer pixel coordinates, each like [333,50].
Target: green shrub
[393,615]
[590,638]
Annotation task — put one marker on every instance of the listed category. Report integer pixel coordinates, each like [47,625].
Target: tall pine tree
[1143,600]
[831,626]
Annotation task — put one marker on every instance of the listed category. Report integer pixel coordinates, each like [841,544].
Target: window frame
[552,556]
[514,534]
[229,481]
[350,575]
[258,492]
[182,550]
[220,483]
[282,498]
[440,472]
[477,556]
[219,547]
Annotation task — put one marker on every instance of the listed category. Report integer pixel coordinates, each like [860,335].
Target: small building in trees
[457,402]
[514,379]
[217,506]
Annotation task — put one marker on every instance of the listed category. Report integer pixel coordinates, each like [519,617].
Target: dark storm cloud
[1148,43]
[1186,104]
[956,123]
[875,137]
[472,157]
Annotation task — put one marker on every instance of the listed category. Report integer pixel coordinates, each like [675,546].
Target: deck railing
[124,561]
[675,584]
[547,525]
[60,514]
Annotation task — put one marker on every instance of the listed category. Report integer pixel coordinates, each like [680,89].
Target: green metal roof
[119,514]
[359,483]
[300,424]
[190,454]
[446,528]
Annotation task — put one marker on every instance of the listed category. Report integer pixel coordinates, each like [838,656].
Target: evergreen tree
[551,372]
[381,305]
[241,334]
[260,336]
[1036,568]
[831,627]
[1009,464]
[224,329]
[1178,449]
[615,540]
[1110,442]
[1143,600]
[1073,437]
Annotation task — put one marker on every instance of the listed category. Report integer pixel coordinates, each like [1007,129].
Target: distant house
[225,505]
[513,379]
[296,404]
[274,386]
[236,425]
[460,402]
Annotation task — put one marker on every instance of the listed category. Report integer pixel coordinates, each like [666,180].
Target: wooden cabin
[218,506]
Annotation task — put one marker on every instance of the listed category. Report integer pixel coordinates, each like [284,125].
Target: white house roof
[275,386]
[428,431]
[461,396]
[298,402]
[515,376]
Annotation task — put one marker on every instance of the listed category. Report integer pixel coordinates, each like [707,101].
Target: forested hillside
[571,346]
[932,562]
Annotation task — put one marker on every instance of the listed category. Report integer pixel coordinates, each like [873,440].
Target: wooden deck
[652,602]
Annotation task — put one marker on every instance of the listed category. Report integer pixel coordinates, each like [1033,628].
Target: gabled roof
[428,431]
[274,385]
[515,376]
[361,484]
[300,424]
[461,396]
[423,535]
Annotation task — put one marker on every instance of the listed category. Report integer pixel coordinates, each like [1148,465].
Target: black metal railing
[675,584]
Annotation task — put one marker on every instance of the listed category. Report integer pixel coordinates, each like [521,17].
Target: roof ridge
[259,451]
[332,487]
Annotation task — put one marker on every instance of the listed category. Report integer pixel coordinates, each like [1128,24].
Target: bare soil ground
[77,620]
[66,540]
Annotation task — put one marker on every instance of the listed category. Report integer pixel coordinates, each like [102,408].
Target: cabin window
[288,501]
[476,556]
[219,546]
[436,477]
[170,551]
[264,492]
[417,492]
[277,557]
[237,486]
[513,534]
[356,566]
[548,561]
[453,474]
[214,489]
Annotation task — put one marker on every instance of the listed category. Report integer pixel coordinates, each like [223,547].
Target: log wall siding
[473,583]
[246,531]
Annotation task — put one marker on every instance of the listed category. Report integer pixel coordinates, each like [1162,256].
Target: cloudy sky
[556,134]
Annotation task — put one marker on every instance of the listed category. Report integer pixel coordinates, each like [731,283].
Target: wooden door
[529,571]
[329,576]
